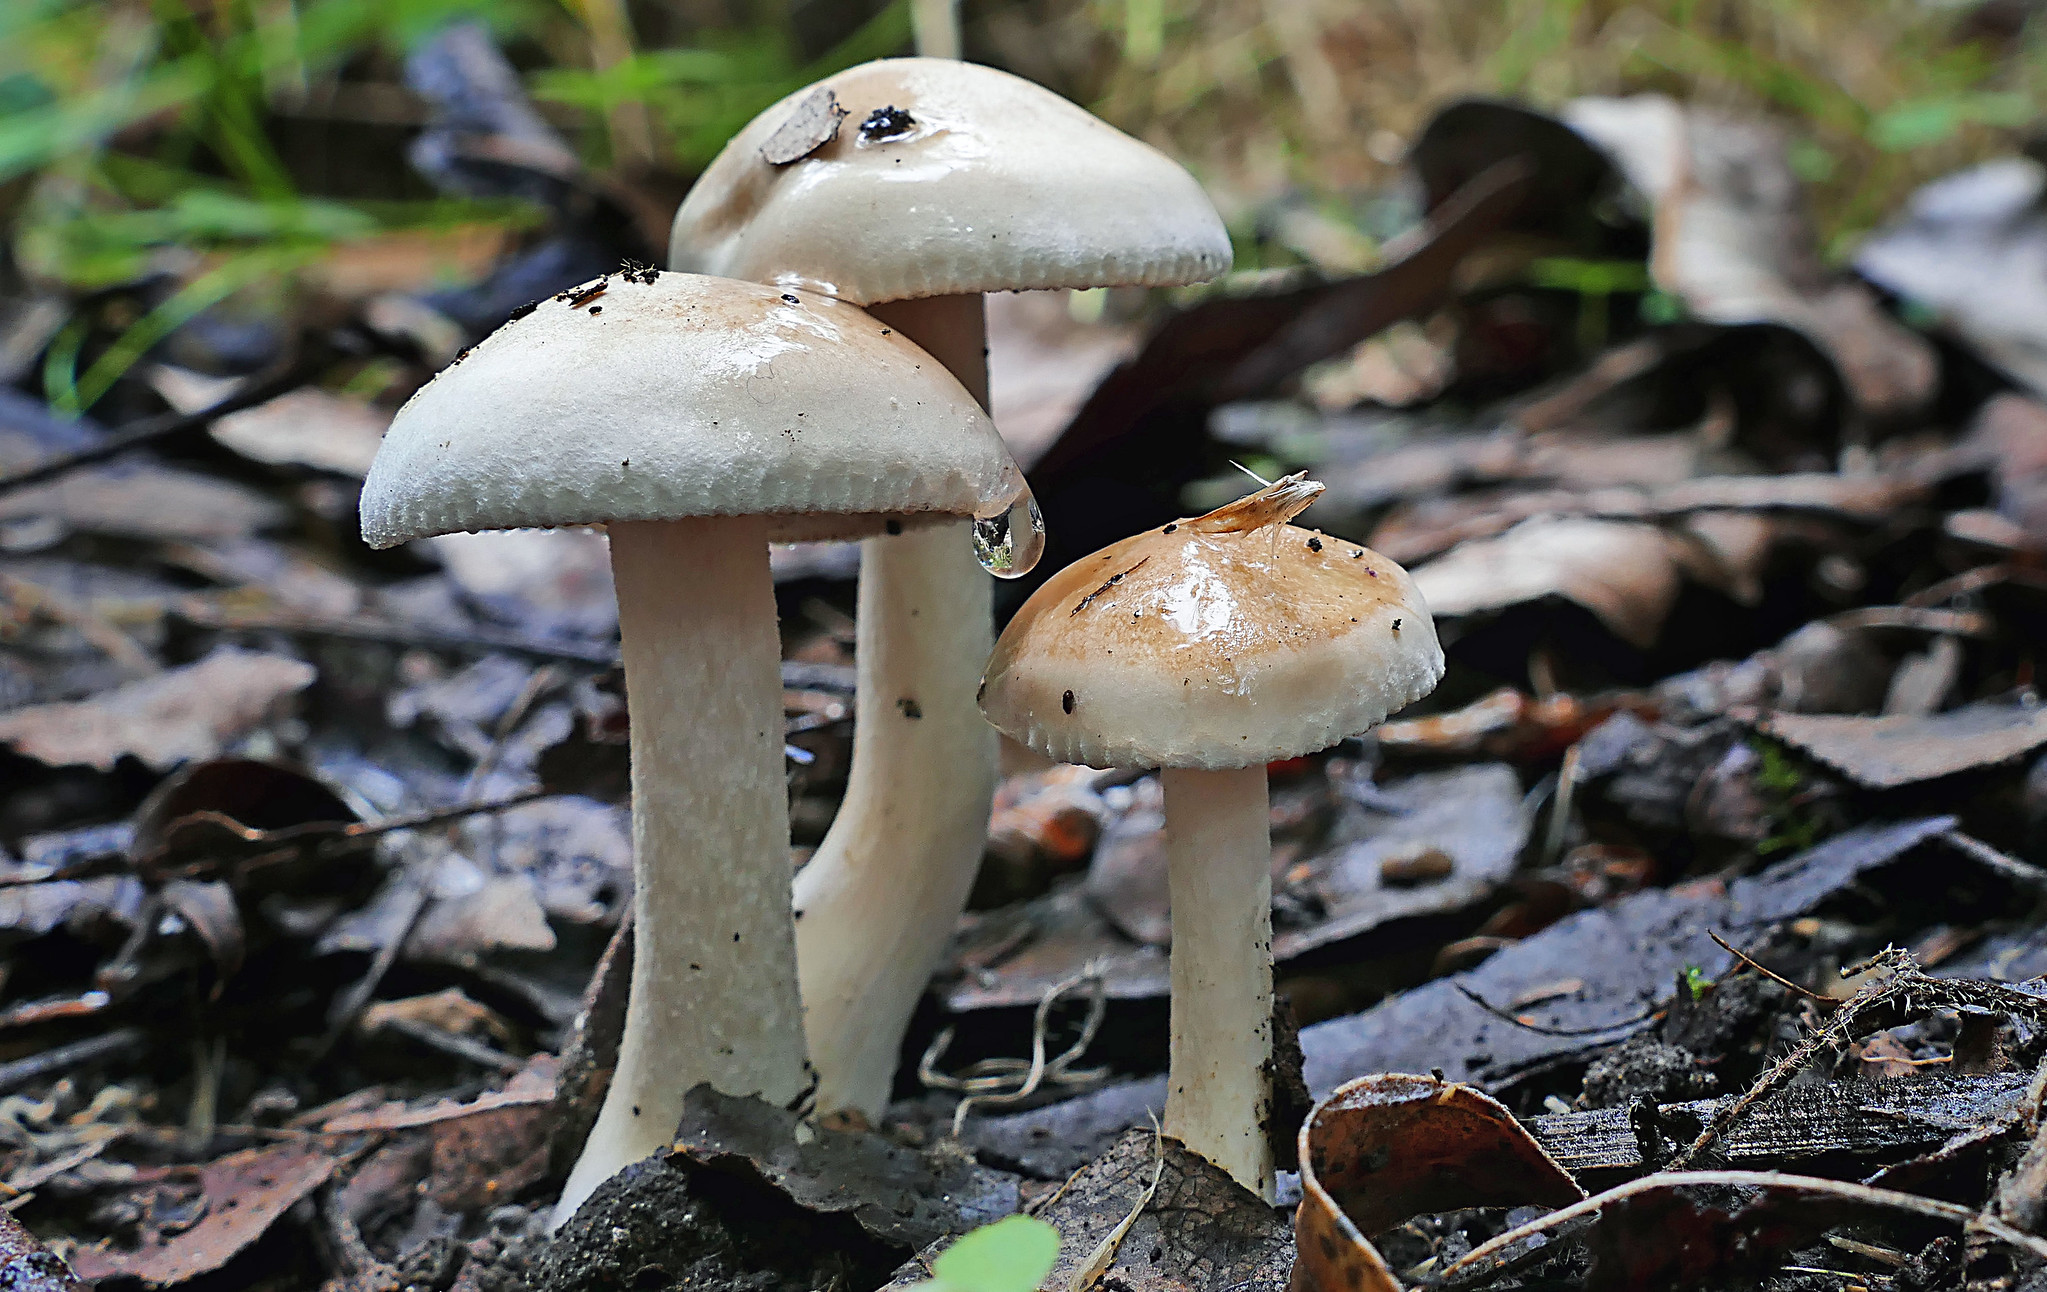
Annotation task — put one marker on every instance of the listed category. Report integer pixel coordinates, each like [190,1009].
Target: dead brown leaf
[308,427]
[531,1086]
[244,1194]
[142,499]
[184,715]
[1901,749]
[1197,1228]
[1625,573]
[1733,239]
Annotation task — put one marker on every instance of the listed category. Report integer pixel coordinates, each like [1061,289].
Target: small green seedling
[1696,981]
[1012,1255]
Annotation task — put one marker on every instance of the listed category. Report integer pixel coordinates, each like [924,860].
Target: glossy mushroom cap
[1228,640]
[918,177]
[656,396]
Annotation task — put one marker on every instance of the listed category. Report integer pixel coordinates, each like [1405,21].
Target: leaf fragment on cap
[813,124]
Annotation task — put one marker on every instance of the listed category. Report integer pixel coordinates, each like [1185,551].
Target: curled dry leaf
[1732,238]
[1389,1146]
[186,714]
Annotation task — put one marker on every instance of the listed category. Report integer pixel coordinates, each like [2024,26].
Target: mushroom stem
[1219,861]
[713,996]
[878,902]
[880,898]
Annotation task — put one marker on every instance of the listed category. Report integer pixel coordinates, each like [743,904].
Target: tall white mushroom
[913,186]
[1208,649]
[699,419]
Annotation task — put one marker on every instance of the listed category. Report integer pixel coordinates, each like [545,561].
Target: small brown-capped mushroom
[698,419]
[913,186]
[1209,648]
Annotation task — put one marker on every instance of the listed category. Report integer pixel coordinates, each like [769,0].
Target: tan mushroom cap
[943,178]
[652,396]
[1224,641]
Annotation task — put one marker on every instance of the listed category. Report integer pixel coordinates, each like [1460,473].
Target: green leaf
[1012,1255]
[1920,122]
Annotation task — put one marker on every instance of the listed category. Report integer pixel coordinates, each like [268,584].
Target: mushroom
[913,186]
[1207,649]
[698,419]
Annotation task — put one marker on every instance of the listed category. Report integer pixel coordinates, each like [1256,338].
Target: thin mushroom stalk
[1209,648]
[713,996]
[911,187]
[1218,859]
[699,418]
[878,901]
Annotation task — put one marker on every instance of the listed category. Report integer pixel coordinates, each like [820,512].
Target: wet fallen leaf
[244,1193]
[1625,954]
[186,714]
[143,499]
[488,1157]
[1472,817]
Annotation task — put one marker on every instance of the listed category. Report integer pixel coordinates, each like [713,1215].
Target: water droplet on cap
[1009,544]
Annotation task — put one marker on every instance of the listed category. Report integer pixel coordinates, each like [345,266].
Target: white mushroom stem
[714,996]
[881,897]
[1219,859]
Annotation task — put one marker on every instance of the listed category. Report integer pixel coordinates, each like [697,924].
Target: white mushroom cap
[1228,640]
[918,177]
[650,396]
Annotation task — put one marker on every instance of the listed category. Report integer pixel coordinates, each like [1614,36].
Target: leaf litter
[310,857]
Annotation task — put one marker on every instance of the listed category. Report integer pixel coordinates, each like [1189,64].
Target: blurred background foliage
[229,144]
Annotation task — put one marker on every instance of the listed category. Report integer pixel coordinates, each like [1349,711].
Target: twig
[152,430]
[97,632]
[1842,1189]
[21,1072]
[1541,1030]
[2022,873]
[462,1047]
[1903,986]
[200,614]
[1756,965]
[353,1001]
